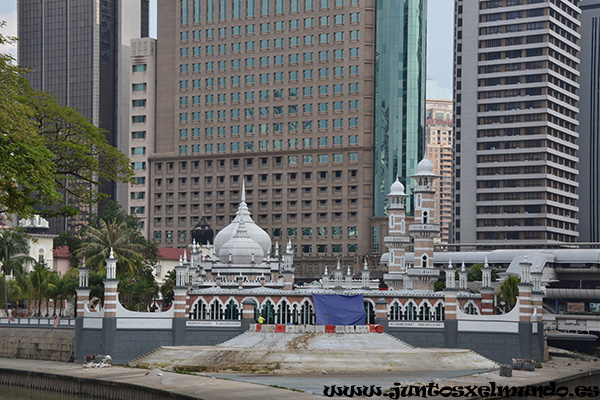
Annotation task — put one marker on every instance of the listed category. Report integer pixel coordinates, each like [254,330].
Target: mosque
[225,282]
[239,263]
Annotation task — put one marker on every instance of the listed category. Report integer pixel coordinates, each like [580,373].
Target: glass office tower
[399,94]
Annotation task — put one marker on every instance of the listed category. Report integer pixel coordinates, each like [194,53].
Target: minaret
[425,227]
[288,267]
[397,238]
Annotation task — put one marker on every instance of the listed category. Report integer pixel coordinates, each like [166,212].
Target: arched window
[410,312]
[268,312]
[470,308]
[216,310]
[425,217]
[440,312]
[425,260]
[424,312]
[295,314]
[198,310]
[232,311]
[370,311]
[395,313]
[307,315]
[284,313]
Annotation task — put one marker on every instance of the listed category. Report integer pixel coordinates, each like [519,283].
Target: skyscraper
[589,123]
[439,150]
[278,94]
[78,50]
[516,107]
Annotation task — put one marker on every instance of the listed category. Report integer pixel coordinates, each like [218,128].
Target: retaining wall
[40,343]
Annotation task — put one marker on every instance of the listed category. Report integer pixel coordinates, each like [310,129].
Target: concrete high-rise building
[589,123]
[516,107]
[439,149]
[78,50]
[142,125]
[281,95]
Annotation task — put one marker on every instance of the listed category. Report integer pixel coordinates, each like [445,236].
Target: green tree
[475,274]
[167,287]
[136,292]
[508,292]
[98,242]
[51,157]
[13,247]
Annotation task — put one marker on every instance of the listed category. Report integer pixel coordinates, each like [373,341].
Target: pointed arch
[395,310]
[307,313]
[370,311]
[410,310]
[232,310]
[199,309]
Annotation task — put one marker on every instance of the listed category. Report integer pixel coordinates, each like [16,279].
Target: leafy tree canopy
[50,155]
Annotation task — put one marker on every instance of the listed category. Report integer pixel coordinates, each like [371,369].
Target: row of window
[192,11]
[277,77]
[266,128]
[250,96]
[265,28]
[265,44]
[249,146]
[235,114]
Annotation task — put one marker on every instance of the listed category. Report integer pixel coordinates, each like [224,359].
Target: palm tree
[43,283]
[13,247]
[118,236]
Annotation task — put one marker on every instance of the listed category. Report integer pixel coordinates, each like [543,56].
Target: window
[339,19]
[353,122]
[138,151]
[142,103]
[354,52]
[354,17]
[353,156]
[141,67]
[141,87]
[138,135]
[309,22]
[323,158]
[138,119]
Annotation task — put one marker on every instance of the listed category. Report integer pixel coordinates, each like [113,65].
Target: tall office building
[78,50]
[279,94]
[142,128]
[439,149]
[589,123]
[516,106]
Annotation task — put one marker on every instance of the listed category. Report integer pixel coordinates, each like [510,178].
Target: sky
[439,35]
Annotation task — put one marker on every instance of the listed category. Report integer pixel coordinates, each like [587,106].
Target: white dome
[254,231]
[242,248]
[397,188]
[425,166]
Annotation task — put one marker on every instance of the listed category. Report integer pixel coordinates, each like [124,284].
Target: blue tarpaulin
[339,309]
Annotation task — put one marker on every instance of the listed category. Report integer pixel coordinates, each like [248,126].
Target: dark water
[20,393]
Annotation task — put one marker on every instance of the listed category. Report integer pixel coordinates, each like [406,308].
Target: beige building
[280,101]
[439,150]
[142,127]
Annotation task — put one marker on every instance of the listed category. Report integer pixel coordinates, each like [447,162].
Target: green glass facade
[401,32]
